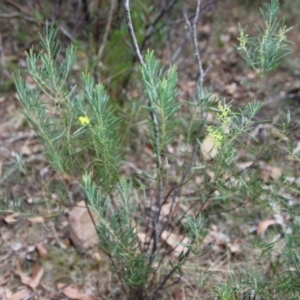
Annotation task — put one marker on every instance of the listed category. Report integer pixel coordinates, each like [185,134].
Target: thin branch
[67,33]
[21,8]
[156,138]
[212,190]
[293,96]
[9,16]
[150,32]
[193,30]
[85,10]
[177,52]
[107,28]
[150,27]
[170,273]
[131,33]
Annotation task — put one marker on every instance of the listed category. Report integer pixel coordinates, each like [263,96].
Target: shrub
[81,135]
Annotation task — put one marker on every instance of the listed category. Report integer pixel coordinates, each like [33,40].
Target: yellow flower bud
[84,120]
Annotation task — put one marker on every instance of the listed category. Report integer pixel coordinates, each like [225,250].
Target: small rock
[16,246]
[82,230]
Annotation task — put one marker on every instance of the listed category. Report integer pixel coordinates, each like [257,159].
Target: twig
[177,52]
[60,243]
[107,28]
[207,197]
[150,32]
[132,34]
[2,53]
[280,98]
[156,137]
[85,9]
[110,257]
[9,16]
[67,33]
[212,190]
[21,8]
[193,30]
[151,26]
[170,273]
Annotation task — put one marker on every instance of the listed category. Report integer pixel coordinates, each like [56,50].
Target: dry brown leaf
[269,172]
[26,150]
[12,218]
[19,295]
[263,225]
[33,281]
[148,150]
[4,279]
[208,148]
[278,135]
[211,175]
[177,295]
[173,239]
[29,200]
[37,278]
[188,87]
[36,220]
[263,131]
[82,230]
[97,256]
[235,246]
[142,237]
[35,270]
[74,293]
[216,237]
[244,165]
[7,293]
[24,278]
[134,226]
[43,253]
[276,173]
[1,165]
[166,208]
[231,88]
[253,74]
[199,180]
[219,240]
[16,246]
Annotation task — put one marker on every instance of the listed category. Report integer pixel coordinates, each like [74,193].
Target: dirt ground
[37,258]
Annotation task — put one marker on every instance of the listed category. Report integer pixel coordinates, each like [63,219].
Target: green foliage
[80,132]
[264,53]
[161,94]
[251,285]
[117,234]
[197,231]
[116,73]
[57,113]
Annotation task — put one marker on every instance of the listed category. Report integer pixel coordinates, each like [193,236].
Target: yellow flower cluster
[224,114]
[216,136]
[281,36]
[243,38]
[84,120]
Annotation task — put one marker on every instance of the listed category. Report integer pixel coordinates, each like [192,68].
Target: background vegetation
[191,172]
